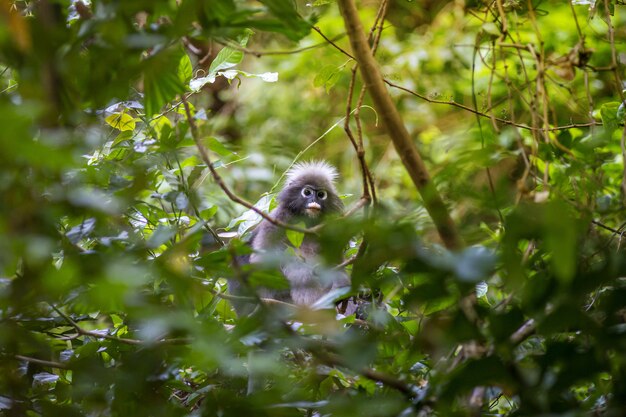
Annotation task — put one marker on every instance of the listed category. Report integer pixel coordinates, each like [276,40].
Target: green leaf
[229,57]
[295,238]
[219,12]
[218,147]
[608,113]
[197,176]
[123,137]
[185,69]
[327,77]
[208,213]
[226,58]
[121,121]
[161,126]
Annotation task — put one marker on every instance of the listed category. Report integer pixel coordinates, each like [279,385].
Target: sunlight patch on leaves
[121,121]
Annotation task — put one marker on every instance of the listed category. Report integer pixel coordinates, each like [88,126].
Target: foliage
[116,237]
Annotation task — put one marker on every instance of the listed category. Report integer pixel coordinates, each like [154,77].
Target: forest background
[481,150]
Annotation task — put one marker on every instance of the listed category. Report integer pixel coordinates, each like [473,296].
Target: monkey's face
[313,200]
[310,200]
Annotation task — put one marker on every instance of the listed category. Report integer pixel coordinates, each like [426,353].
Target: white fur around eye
[322,195]
[306,192]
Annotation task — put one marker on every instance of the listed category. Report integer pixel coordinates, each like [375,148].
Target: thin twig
[523,332]
[99,335]
[372,374]
[603,226]
[259,54]
[464,107]
[333,44]
[499,119]
[41,362]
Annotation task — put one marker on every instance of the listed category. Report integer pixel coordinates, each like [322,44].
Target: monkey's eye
[307,192]
[322,195]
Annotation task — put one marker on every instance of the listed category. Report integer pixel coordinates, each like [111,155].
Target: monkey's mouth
[313,209]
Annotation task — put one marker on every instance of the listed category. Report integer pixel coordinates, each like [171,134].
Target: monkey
[308,196]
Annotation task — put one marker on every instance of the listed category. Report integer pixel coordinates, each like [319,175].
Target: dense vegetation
[134,133]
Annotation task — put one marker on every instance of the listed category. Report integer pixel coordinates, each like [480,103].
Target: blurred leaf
[556,225]
[328,300]
[284,10]
[161,235]
[5,403]
[475,372]
[475,263]
[327,77]
[250,218]
[268,279]
[561,238]
[162,80]
[83,230]
[182,202]
[621,112]
[609,115]
[481,289]
[45,378]
[491,29]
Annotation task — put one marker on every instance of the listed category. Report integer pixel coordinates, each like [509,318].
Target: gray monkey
[308,196]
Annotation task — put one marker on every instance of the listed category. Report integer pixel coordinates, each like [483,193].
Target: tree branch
[331,359]
[396,129]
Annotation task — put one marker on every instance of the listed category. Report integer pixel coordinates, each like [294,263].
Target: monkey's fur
[308,197]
